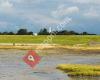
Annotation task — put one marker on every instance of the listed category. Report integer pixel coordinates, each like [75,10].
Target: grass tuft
[80,69]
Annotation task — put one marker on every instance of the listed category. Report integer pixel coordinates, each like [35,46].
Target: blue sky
[36,14]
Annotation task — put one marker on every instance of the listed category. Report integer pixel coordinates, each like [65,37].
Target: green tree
[22,32]
[30,33]
[43,32]
[84,33]
[10,33]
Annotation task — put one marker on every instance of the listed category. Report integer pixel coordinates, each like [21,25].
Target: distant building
[50,30]
[35,34]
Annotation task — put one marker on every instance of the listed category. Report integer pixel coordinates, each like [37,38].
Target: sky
[36,14]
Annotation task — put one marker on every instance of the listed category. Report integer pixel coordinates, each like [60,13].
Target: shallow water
[12,66]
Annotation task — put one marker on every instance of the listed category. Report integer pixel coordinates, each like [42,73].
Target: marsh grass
[80,69]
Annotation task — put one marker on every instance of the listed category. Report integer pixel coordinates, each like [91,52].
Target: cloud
[2,23]
[27,1]
[91,13]
[38,12]
[62,10]
[40,18]
[87,1]
[6,6]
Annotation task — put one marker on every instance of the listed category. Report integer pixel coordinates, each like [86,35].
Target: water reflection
[13,68]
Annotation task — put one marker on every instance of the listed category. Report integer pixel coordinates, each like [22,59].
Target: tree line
[62,32]
[44,31]
[19,32]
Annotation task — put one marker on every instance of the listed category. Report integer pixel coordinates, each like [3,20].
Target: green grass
[80,69]
[21,39]
[64,39]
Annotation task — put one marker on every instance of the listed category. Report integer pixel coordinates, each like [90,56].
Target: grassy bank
[63,40]
[77,42]
[80,69]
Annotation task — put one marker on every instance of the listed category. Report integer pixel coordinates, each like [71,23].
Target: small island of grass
[80,69]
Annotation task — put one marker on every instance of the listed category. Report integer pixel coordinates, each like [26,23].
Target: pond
[12,66]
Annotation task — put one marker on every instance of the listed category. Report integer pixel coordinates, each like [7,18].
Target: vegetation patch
[58,39]
[80,69]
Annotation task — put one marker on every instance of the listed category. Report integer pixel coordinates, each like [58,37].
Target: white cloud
[62,10]
[4,23]
[91,13]
[41,19]
[6,6]
[87,1]
[71,10]
[27,1]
